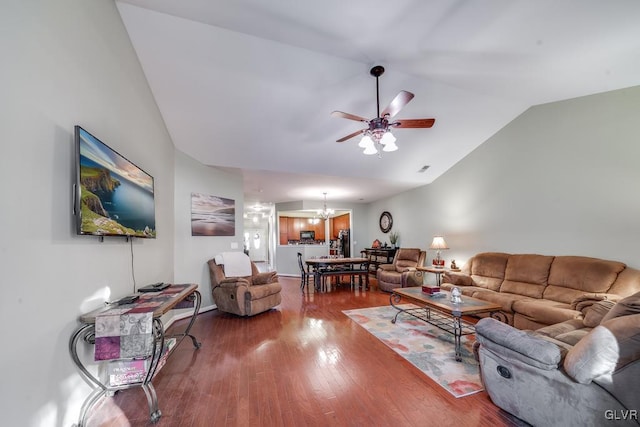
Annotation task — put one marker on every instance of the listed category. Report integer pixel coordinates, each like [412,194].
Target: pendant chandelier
[325,213]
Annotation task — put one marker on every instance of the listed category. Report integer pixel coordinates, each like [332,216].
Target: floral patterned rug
[426,347]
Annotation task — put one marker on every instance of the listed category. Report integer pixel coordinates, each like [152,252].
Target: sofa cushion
[390,277]
[570,276]
[526,275]
[573,337]
[561,328]
[504,299]
[489,264]
[568,332]
[487,269]
[606,349]
[405,258]
[546,311]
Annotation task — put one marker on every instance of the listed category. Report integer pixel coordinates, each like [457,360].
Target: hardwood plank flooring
[304,363]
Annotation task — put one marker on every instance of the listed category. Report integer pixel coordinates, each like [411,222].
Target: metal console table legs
[86,333]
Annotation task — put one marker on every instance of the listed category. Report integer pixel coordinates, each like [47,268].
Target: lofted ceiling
[250,84]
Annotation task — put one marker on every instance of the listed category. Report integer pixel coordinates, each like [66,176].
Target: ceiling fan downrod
[376,72]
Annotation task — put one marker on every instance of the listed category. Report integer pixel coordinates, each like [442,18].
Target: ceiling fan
[378,131]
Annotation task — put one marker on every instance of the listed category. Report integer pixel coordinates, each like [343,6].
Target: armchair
[244,296]
[578,372]
[402,272]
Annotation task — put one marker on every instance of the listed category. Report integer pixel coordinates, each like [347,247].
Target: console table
[379,256]
[156,303]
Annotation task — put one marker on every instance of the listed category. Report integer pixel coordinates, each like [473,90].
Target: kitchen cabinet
[338,223]
[290,227]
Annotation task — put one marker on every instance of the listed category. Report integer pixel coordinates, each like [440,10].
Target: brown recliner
[244,296]
[402,272]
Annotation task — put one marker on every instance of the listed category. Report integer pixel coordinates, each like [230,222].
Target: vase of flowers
[393,238]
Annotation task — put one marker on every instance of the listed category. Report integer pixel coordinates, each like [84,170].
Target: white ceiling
[250,84]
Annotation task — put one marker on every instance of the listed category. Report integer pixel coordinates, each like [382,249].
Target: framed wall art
[212,215]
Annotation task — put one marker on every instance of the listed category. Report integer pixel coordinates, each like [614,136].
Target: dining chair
[304,273]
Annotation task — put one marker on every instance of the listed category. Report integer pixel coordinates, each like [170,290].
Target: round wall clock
[386,222]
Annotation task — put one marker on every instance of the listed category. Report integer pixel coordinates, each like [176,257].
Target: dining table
[324,267]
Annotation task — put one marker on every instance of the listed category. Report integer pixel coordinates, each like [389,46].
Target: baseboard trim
[186,315]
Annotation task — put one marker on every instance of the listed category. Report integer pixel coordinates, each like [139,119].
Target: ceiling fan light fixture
[388,138]
[377,135]
[369,150]
[366,141]
[390,146]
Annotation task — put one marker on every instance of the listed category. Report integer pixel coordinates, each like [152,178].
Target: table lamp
[438,244]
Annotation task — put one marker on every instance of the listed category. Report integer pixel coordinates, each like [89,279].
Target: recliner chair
[582,372]
[402,272]
[244,296]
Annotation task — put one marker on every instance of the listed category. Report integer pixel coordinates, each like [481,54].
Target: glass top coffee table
[441,312]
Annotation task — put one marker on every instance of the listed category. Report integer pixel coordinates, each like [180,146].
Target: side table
[157,303]
[434,270]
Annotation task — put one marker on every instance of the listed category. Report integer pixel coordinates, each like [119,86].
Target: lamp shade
[366,141]
[390,146]
[370,150]
[438,243]
[388,138]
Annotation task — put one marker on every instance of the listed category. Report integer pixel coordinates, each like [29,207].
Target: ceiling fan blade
[351,135]
[349,116]
[398,103]
[413,123]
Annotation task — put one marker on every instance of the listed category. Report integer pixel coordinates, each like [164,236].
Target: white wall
[64,63]
[561,179]
[193,252]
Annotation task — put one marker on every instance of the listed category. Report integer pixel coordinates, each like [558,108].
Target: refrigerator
[344,243]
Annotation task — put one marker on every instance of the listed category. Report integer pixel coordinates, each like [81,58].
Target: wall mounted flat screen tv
[114,197]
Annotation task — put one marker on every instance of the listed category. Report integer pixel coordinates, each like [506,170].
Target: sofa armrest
[264,278]
[606,349]
[512,343]
[586,300]
[411,278]
[232,282]
[457,279]
[387,267]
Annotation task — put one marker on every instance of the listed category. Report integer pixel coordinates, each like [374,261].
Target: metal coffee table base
[452,324]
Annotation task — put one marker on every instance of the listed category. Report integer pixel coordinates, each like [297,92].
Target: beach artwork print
[212,215]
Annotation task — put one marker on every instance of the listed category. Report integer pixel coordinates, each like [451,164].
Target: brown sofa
[579,372]
[540,290]
[402,272]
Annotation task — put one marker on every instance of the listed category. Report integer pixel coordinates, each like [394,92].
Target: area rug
[428,348]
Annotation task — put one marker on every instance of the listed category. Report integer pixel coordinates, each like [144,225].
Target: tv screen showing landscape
[115,197]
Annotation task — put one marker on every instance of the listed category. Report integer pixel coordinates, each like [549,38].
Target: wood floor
[303,364]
